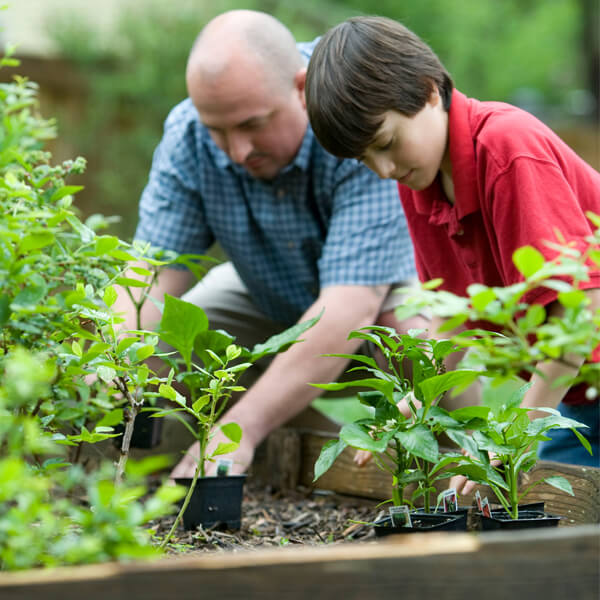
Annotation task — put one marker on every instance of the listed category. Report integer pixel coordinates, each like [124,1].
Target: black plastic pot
[531,516]
[147,431]
[461,516]
[216,501]
[422,522]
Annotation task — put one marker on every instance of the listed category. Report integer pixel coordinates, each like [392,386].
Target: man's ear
[300,84]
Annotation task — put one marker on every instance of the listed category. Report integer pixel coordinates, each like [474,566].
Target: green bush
[56,289]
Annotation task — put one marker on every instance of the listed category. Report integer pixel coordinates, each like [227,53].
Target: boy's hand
[362,457]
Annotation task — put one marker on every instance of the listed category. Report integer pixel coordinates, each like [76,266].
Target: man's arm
[283,391]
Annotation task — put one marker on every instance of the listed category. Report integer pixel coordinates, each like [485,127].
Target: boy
[477,180]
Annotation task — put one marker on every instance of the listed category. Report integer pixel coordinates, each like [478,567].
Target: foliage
[209,385]
[56,290]
[516,337]
[44,519]
[506,445]
[404,443]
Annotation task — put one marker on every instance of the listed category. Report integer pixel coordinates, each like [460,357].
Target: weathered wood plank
[548,565]
[584,507]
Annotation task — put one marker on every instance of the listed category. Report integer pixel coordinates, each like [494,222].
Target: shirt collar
[462,156]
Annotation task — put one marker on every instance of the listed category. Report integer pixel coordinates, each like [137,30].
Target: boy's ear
[300,84]
[435,96]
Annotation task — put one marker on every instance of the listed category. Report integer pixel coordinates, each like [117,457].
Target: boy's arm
[542,393]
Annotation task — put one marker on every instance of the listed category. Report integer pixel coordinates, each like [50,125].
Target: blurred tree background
[539,54]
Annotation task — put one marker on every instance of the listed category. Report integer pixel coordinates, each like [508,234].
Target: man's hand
[242,458]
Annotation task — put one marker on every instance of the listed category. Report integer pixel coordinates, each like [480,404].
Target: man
[303,231]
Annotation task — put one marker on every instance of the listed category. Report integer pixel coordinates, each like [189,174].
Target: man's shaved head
[245,36]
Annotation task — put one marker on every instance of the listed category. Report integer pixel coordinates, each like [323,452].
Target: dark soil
[270,519]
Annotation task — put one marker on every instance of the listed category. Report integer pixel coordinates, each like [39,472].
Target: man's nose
[238,146]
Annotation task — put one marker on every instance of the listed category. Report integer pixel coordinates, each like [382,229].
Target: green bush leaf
[180,324]
[225,448]
[233,431]
[528,260]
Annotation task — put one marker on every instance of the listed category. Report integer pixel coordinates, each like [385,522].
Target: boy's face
[411,149]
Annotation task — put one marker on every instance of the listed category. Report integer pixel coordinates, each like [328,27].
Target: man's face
[257,123]
[410,149]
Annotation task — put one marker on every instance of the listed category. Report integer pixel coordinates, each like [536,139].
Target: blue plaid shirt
[322,221]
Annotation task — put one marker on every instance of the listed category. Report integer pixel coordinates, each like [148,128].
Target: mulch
[273,519]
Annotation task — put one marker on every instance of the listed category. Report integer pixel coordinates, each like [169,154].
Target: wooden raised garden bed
[548,564]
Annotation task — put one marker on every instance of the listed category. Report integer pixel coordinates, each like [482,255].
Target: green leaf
[125,343]
[200,403]
[180,324]
[528,260]
[470,412]
[65,190]
[114,417]
[4,309]
[481,300]
[143,352]
[34,241]
[106,374]
[225,448]
[233,431]
[282,341]
[419,441]
[85,233]
[148,465]
[356,436]
[329,453]
[573,299]
[560,483]
[131,282]
[437,385]
[110,296]
[106,243]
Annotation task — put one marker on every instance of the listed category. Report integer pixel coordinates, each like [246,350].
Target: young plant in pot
[507,444]
[406,420]
[209,366]
[516,338]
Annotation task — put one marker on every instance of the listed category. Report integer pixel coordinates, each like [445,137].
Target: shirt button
[291,245]
[281,193]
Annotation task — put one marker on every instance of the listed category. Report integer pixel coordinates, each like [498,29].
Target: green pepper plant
[513,338]
[405,445]
[506,444]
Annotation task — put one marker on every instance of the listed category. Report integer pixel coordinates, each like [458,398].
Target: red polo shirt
[515,183]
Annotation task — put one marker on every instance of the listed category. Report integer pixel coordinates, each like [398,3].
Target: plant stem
[183,506]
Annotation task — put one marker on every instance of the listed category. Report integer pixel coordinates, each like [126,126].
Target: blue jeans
[565,447]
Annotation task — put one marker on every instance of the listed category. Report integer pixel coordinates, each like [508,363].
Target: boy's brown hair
[362,68]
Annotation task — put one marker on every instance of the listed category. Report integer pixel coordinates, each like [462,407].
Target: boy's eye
[388,145]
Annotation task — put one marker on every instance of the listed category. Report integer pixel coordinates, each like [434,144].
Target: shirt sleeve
[367,241]
[171,212]
[532,203]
